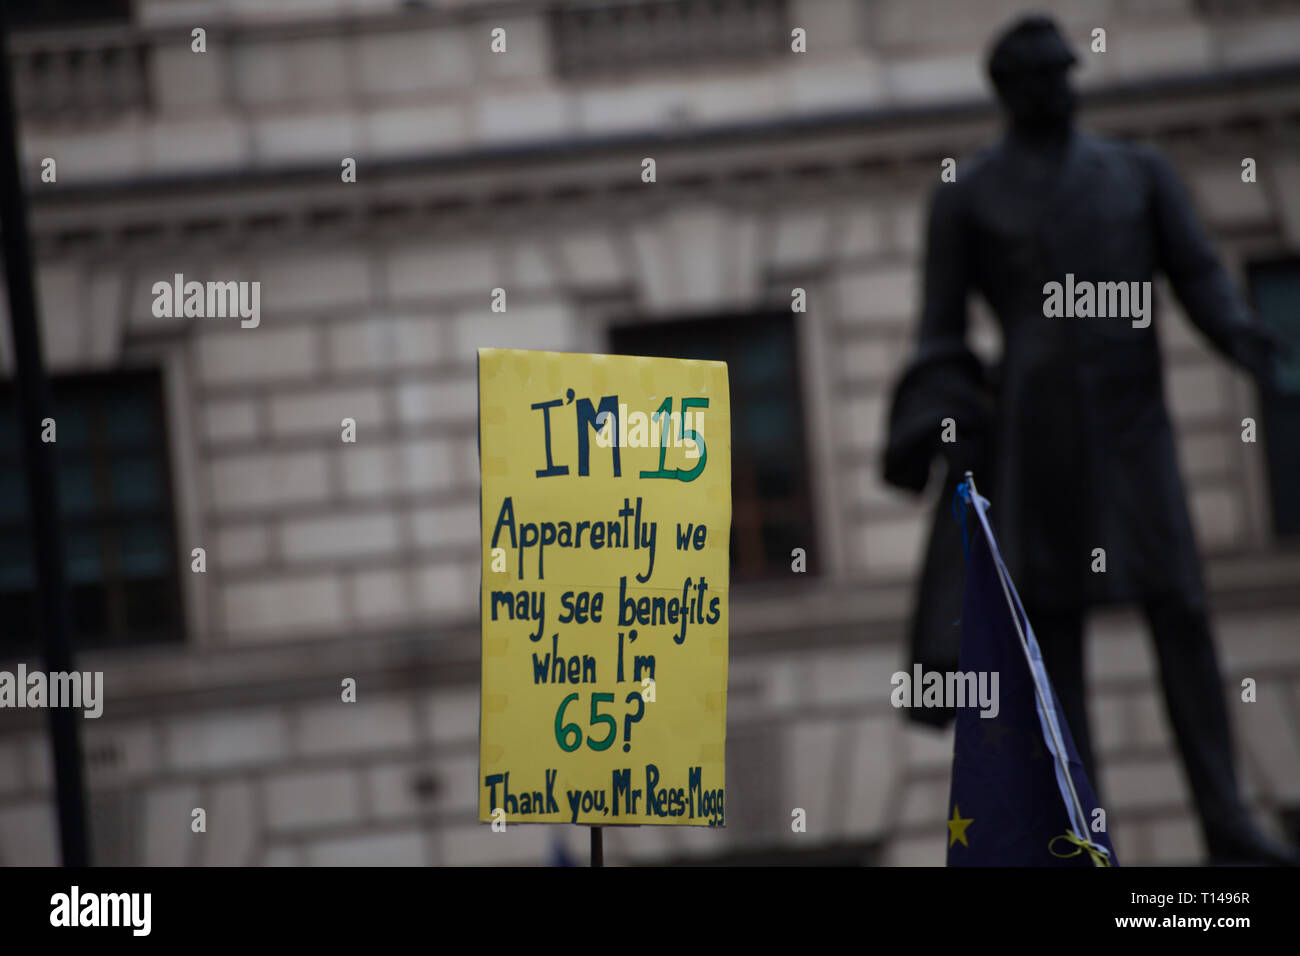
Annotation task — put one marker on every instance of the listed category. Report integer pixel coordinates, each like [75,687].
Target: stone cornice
[228,24]
[880,148]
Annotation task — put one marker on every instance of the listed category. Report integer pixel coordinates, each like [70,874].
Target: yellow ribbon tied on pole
[1100,857]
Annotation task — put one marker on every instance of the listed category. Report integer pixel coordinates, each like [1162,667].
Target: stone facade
[478,170]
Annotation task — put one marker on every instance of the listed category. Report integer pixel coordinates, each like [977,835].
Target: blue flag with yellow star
[1019,795]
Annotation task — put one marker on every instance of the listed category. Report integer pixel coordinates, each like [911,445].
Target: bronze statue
[1070,439]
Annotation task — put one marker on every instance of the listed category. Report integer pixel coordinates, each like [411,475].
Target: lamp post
[39,467]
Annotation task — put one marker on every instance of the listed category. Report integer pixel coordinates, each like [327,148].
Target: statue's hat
[1033,42]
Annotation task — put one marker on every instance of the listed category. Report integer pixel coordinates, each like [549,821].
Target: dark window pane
[76,488]
[13,495]
[82,556]
[781,539]
[16,573]
[149,609]
[769,425]
[71,423]
[137,482]
[144,550]
[766,363]
[18,609]
[775,482]
[9,440]
[88,612]
[131,418]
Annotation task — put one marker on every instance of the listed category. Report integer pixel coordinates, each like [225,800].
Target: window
[771,506]
[60,13]
[1275,288]
[116,510]
[76,62]
[601,39]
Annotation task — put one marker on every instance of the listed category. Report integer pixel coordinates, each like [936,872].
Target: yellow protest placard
[606,515]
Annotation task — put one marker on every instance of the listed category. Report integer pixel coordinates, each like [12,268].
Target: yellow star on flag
[957,827]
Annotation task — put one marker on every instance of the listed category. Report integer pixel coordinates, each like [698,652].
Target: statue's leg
[1195,701]
[1060,641]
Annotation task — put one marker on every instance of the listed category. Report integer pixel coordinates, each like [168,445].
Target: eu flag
[1019,795]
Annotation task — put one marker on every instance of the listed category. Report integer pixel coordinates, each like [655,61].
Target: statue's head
[1029,65]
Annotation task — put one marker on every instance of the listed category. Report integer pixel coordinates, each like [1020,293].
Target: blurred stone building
[522,170]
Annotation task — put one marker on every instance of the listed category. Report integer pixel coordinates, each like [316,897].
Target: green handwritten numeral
[569,736]
[602,719]
[563,730]
[664,414]
[695,436]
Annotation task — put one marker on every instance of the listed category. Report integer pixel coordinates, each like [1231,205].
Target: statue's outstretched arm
[1199,279]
